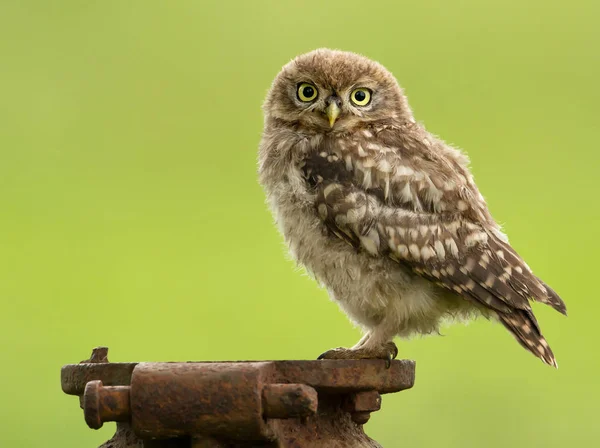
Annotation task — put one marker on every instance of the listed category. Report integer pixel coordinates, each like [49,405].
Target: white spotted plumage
[385,215]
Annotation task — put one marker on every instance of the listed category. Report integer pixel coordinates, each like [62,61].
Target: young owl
[383,214]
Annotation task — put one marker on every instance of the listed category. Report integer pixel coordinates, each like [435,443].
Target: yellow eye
[361,96]
[307,92]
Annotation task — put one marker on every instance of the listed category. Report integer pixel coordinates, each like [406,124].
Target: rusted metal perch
[234,404]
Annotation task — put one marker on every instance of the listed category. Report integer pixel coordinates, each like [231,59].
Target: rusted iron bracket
[234,404]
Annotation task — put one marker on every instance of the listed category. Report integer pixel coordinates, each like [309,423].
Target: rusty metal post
[234,404]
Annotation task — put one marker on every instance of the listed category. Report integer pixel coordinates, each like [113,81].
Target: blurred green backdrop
[131,215]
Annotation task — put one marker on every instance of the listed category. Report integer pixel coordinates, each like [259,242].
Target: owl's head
[328,90]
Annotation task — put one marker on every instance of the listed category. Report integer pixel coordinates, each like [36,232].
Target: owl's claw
[325,355]
[392,352]
[387,352]
[388,361]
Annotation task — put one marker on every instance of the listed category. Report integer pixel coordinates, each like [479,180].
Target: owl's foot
[387,351]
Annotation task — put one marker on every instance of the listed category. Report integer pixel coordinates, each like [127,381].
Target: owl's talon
[393,349]
[387,352]
[391,354]
[334,353]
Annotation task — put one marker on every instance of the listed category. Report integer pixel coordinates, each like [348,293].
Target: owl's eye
[361,96]
[307,92]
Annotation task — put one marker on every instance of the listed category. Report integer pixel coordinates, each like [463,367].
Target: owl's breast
[322,165]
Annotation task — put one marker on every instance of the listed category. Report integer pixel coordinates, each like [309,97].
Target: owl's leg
[376,344]
[362,341]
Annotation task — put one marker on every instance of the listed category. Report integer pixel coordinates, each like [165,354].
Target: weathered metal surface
[74,377]
[99,355]
[217,399]
[125,438]
[361,404]
[348,375]
[332,427]
[105,404]
[289,401]
[226,404]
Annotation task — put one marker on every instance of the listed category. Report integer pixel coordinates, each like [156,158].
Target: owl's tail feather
[523,326]
[553,299]
[523,280]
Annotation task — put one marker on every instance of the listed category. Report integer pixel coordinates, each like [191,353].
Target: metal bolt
[289,400]
[99,355]
[361,404]
[105,404]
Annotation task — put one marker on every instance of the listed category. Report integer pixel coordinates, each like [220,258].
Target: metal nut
[361,404]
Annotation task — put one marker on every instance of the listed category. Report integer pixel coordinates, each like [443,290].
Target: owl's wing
[452,250]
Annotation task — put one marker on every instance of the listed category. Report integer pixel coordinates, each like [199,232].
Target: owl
[383,214]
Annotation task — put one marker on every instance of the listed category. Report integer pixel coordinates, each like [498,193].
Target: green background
[130,214]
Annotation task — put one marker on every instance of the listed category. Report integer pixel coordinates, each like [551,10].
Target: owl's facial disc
[330,91]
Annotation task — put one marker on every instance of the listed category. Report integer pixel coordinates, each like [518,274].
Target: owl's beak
[332,111]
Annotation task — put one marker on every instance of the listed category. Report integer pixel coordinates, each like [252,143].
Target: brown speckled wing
[387,203]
